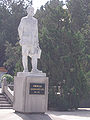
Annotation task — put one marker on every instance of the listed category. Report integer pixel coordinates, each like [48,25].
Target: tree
[10,15]
[63,50]
[80,14]
[13,58]
[79,11]
[4,16]
[80,20]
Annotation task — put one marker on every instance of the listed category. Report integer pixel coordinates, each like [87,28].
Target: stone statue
[28,34]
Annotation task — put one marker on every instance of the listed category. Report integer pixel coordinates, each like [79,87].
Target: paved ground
[84,114]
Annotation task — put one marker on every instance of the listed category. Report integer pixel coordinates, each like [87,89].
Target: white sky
[37,3]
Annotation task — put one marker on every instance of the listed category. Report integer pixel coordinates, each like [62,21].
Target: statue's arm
[36,32]
[20,29]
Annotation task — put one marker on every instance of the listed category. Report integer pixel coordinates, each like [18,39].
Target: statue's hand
[20,42]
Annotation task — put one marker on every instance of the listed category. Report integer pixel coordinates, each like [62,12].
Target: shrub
[8,77]
[57,102]
[67,100]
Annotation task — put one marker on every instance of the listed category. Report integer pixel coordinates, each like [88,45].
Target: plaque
[37,88]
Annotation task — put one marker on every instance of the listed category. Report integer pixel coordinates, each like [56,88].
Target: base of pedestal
[30,94]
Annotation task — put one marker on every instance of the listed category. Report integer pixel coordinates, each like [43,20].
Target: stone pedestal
[30,94]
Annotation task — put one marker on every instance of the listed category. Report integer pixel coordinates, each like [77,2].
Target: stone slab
[25,74]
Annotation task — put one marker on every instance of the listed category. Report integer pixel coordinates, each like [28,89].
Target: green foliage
[65,101]
[13,58]
[11,13]
[88,81]
[80,20]
[56,101]
[79,10]
[9,78]
[63,54]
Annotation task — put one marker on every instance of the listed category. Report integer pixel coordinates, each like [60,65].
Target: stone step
[3,99]
[4,102]
[5,105]
[2,96]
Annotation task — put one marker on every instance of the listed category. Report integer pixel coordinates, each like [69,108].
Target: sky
[38,3]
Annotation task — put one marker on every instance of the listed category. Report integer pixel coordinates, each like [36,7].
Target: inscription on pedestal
[37,88]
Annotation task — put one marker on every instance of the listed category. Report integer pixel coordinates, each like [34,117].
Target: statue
[28,34]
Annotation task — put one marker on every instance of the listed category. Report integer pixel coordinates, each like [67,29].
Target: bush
[57,102]
[67,100]
[8,77]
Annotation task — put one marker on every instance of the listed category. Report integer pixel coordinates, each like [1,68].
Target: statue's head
[30,10]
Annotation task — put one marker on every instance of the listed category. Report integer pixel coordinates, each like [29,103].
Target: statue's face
[30,11]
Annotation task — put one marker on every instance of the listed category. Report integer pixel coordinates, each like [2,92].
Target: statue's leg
[24,59]
[25,63]
[34,63]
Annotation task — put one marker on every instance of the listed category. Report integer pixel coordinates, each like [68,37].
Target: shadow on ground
[33,116]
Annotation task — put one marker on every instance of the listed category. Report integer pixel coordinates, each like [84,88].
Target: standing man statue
[28,34]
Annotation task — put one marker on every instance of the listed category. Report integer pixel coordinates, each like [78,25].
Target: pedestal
[30,94]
